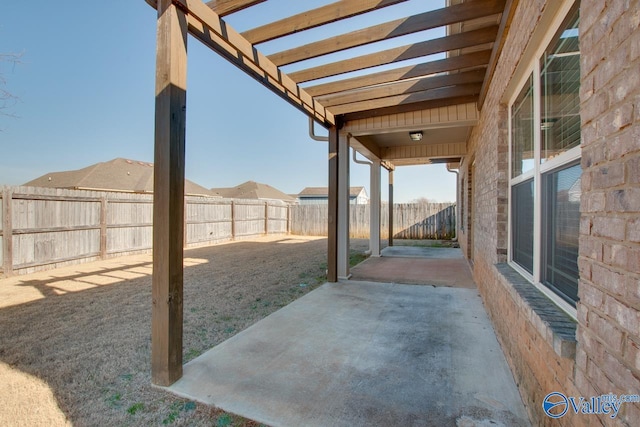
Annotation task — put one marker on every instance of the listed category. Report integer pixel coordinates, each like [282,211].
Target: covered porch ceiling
[434,85]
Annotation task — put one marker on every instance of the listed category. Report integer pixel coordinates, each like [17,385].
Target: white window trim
[533,67]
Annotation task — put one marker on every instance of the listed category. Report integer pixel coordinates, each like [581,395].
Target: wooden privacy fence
[45,228]
[410,220]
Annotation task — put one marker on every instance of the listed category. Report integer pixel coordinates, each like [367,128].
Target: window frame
[540,168]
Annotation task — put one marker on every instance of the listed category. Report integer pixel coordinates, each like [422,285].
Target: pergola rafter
[314,18]
[399,27]
[475,60]
[417,50]
[406,92]
[206,26]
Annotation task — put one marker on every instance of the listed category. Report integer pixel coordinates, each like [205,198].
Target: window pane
[560,83]
[522,224]
[522,131]
[561,194]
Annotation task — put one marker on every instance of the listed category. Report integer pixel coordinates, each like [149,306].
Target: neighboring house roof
[324,192]
[115,175]
[253,190]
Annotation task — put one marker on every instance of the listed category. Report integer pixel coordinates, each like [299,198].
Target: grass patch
[136,407]
[356,257]
[192,354]
[114,400]
[224,420]
[176,409]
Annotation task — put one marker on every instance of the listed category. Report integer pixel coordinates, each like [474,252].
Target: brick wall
[536,368]
[607,354]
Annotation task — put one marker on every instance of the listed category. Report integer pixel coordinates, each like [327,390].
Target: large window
[544,119]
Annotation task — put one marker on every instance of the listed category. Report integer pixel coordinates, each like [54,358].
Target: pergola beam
[426,150]
[314,18]
[227,7]
[397,109]
[400,27]
[390,56]
[206,26]
[416,97]
[505,25]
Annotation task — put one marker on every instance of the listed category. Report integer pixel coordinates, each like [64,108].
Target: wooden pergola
[372,113]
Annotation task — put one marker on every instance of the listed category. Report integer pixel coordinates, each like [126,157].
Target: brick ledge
[553,324]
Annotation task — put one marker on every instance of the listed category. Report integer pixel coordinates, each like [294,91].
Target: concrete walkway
[363,354]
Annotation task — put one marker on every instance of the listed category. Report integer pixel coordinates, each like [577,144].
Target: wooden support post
[343,206]
[168,200]
[391,207]
[374,202]
[103,227]
[7,233]
[333,218]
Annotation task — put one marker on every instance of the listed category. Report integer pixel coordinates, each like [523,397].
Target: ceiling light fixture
[416,136]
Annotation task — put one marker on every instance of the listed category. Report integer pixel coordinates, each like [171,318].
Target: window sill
[553,324]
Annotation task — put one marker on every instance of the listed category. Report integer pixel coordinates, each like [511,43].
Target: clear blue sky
[85,89]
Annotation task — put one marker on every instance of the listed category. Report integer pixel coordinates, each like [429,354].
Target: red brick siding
[608,351]
[609,310]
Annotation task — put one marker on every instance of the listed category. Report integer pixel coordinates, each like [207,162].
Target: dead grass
[75,342]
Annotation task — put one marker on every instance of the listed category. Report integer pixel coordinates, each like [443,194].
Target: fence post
[288,219]
[103,227]
[7,233]
[266,218]
[233,220]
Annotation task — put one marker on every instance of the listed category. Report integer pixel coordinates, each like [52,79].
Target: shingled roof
[324,192]
[115,175]
[253,190]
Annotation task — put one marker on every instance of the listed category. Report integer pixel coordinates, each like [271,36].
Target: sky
[84,93]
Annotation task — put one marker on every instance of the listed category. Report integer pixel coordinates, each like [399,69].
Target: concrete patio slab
[417,265]
[363,354]
[422,252]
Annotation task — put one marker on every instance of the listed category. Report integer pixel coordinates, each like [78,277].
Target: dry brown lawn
[75,342]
